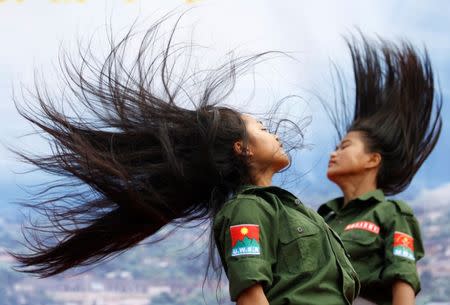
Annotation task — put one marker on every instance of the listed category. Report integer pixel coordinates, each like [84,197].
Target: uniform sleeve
[403,248]
[247,240]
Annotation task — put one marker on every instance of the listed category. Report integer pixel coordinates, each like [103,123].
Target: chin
[285,161]
[332,175]
[282,163]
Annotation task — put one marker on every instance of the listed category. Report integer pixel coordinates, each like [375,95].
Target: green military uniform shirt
[383,239]
[266,235]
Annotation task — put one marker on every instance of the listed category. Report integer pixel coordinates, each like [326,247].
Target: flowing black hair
[141,146]
[396,107]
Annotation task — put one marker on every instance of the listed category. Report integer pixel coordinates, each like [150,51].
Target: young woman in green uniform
[395,126]
[147,145]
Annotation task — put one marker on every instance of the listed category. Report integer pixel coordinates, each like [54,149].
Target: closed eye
[344,144]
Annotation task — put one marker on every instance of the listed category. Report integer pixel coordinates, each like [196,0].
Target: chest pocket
[362,244]
[299,244]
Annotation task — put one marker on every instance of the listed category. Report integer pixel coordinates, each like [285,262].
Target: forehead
[250,120]
[353,136]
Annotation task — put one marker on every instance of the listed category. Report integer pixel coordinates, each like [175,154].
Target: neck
[262,178]
[355,187]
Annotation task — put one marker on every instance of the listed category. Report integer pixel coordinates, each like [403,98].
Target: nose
[333,154]
[278,140]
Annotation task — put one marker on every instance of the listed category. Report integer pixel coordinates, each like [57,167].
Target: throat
[262,177]
[353,191]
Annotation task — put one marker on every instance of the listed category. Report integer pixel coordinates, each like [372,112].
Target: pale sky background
[32,32]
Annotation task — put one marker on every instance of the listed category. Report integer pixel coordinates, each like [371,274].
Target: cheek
[346,163]
[267,151]
[265,146]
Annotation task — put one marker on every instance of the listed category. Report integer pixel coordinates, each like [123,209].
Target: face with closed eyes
[351,158]
[264,150]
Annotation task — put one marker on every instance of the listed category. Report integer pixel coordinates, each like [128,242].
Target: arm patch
[245,240]
[403,245]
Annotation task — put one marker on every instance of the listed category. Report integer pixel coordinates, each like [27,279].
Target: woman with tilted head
[395,126]
[150,144]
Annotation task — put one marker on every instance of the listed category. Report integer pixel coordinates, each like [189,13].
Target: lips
[331,162]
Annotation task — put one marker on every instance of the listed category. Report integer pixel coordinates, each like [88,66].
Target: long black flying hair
[141,151]
[396,107]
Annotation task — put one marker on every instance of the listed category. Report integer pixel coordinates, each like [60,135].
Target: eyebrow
[345,141]
[262,124]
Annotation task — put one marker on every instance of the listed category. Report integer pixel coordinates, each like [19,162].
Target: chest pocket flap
[362,244]
[300,240]
[294,230]
[359,236]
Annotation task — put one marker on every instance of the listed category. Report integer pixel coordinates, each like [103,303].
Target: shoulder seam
[249,197]
[403,207]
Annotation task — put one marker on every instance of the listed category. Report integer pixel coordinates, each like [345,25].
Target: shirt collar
[369,197]
[250,189]
[378,195]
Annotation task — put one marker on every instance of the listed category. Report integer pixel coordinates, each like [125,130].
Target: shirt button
[300,229]
[297,201]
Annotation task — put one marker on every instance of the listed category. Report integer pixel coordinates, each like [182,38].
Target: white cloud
[435,197]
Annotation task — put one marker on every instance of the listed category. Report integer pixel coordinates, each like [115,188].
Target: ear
[241,150]
[374,160]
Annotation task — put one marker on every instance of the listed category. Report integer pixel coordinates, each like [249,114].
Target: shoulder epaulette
[403,207]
